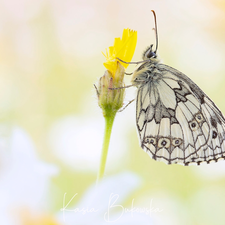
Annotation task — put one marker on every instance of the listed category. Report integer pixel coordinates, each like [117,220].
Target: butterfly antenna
[156,32]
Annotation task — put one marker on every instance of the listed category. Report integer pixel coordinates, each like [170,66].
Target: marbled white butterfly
[176,121]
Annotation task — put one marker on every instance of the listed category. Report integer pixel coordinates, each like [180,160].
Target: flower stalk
[105,146]
[109,91]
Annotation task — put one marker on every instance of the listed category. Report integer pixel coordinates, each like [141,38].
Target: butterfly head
[142,73]
[149,53]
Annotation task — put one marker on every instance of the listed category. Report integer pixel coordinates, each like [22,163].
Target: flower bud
[111,99]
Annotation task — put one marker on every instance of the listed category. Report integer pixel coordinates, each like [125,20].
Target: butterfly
[176,121]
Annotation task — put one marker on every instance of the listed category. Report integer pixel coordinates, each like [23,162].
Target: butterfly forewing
[176,121]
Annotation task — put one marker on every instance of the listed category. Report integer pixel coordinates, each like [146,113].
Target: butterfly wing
[177,122]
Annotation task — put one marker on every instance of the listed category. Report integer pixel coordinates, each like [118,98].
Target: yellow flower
[110,93]
[110,90]
[123,48]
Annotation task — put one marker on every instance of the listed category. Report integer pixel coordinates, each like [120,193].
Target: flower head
[109,96]
[123,48]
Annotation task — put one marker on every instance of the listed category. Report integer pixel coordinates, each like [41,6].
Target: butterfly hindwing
[176,121]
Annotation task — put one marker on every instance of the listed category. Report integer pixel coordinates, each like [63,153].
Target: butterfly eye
[164,142]
[151,54]
[176,142]
[193,125]
[199,117]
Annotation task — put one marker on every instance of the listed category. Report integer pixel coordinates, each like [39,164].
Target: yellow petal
[123,49]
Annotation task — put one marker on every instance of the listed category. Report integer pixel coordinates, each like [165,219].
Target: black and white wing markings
[216,142]
[154,121]
[177,122]
[214,147]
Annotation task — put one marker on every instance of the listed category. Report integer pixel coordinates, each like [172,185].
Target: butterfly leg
[129,73]
[122,87]
[133,62]
[126,105]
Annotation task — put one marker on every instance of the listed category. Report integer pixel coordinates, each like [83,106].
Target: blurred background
[51,127]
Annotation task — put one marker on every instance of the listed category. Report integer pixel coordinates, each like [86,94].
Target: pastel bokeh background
[51,126]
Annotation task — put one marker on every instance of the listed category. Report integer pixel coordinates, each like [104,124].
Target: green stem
[109,119]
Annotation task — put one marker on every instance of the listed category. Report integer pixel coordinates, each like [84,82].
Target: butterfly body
[176,121]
